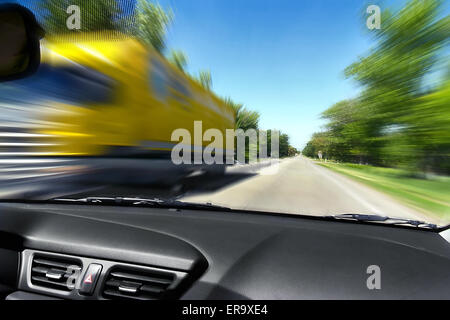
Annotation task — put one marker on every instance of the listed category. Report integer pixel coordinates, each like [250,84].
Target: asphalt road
[302,187]
[295,185]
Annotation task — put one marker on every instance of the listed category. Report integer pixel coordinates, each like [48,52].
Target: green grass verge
[430,196]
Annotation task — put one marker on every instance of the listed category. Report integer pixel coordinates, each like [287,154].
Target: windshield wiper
[154,202]
[384,219]
[175,204]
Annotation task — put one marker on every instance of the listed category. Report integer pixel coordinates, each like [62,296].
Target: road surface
[303,187]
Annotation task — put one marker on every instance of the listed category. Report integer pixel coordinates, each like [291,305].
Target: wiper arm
[154,202]
[384,219]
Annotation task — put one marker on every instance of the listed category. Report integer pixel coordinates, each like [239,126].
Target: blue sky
[283,58]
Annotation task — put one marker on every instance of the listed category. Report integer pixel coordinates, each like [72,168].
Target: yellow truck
[130,99]
[97,98]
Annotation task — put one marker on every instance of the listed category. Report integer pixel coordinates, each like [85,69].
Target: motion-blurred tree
[400,118]
[94,15]
[393,75]
[146,20]
[179,59]
[430,129]
[346,131]
[152,23]
[205,79]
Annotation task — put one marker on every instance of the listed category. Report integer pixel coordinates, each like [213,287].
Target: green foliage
[284,145]
[400,119]
[346,132]
[245,119]
[179,59]
[149,22]
[205,79]
[320,141]
[285,149]
[55,15]
[152,23]
[292,151]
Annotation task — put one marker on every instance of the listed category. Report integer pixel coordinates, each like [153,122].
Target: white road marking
[347,190]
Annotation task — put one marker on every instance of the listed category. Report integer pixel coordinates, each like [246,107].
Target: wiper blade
[153,202]
[384,219]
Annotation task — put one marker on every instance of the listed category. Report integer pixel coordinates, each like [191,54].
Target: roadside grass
[430,196]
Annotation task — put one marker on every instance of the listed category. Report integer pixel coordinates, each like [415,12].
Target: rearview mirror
[19,42]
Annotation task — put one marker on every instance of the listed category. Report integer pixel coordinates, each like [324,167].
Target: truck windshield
[74,84]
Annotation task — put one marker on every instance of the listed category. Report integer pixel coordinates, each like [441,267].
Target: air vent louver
[141,284]
[54,272]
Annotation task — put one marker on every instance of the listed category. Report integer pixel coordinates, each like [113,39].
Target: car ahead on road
[95,247]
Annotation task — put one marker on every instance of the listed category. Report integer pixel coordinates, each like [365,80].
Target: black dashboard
[154,253]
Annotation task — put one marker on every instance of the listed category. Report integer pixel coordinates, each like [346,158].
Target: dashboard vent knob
[142,284]
[55,272]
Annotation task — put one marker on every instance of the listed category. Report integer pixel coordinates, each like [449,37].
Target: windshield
[318,108]
[72,84]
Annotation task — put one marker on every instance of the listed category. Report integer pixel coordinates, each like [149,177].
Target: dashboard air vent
[142,284]
[55,272]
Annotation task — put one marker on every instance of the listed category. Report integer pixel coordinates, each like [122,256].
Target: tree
[320,141]
[399,119]
[94,15]
[284,145]
[393,75]
[150,20]
[179,59]
[152,23]
[292,152]
[205,79]
[347,131]
[430,127]
[245,119]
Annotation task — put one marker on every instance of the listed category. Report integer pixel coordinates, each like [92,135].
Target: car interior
[87,247]
[191,254]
